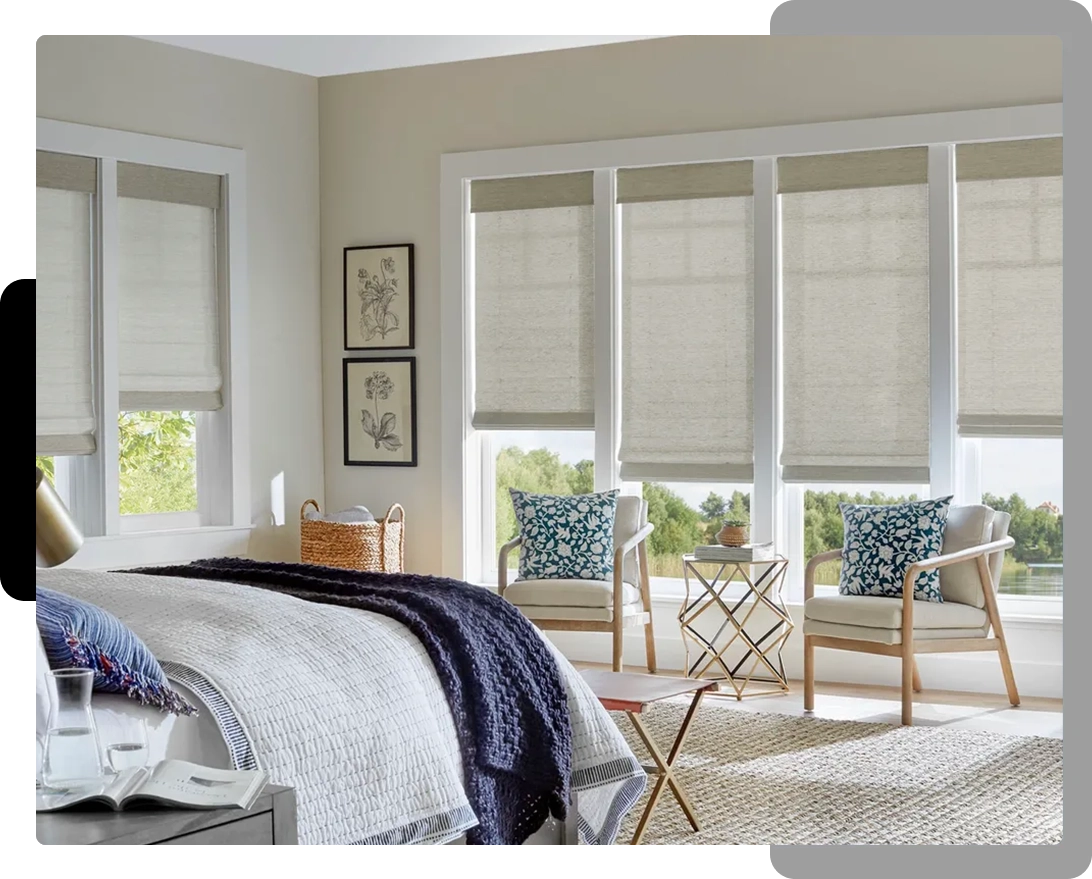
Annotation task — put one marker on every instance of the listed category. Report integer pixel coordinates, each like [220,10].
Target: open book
[173,783]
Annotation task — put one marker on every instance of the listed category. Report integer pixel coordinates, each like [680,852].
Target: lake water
[1034,581]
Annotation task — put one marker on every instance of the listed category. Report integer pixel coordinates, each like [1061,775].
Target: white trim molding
[223,435]
[771,500]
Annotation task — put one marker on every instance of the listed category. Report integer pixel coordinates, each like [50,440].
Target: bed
[342,704]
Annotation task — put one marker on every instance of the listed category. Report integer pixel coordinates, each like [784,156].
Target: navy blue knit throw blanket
[502,683]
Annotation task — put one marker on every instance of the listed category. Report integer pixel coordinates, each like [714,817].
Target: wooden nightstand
[270,821]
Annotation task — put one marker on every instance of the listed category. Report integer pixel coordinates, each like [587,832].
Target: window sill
[161,547]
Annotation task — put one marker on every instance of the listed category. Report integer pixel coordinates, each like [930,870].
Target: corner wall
[137,85]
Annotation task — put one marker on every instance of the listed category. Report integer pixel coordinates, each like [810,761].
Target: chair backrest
[629,517]
[969,526]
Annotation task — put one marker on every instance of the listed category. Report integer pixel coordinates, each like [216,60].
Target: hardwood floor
[1036,716]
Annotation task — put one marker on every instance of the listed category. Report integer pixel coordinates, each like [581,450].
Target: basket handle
[313,503]
[387,519]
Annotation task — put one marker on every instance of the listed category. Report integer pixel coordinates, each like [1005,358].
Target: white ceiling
[331,56]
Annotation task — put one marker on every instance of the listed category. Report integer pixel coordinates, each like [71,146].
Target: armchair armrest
[941,561]
[813,563]
[622,551]
[502,564]
[954,558]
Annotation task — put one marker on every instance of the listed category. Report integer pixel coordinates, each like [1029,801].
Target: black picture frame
[407,331]
[348,366]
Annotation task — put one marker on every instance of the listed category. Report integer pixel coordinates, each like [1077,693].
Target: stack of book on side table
[749,552]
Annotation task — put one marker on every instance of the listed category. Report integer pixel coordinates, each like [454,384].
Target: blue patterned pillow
[565,538]
[79,635]
[881,542]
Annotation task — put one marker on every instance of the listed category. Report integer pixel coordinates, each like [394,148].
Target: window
[1022,477]
[64,414]
[544,462]
[687,514]
[855,256]
[1010,355]
[136,361]
[157,461]
[779,318]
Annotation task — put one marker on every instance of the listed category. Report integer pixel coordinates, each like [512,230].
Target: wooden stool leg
[917,678]
[809,674]
[664,769]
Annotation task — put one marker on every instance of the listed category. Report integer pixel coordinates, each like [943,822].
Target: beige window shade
[168,185]
[863,170]
[63,411]
[169,351]
[674,182]
[687,340]
[1010,289]
[70,173]
[855,280]
[533,313]
[532,193]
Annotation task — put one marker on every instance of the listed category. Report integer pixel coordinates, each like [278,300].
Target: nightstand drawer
[256,830]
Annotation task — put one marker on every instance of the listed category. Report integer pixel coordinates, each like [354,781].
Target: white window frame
[461,454]
[221,525]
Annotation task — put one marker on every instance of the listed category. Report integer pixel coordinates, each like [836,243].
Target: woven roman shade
[533,302]
[64,417]
[855,293]
[1010,288]
[687,324]
[169,352]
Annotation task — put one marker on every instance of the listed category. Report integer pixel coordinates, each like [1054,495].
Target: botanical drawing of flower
[376,293]
[378,386]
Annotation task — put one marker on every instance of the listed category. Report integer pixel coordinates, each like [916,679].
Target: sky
[1031,468]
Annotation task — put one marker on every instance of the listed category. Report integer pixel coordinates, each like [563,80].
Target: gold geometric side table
[727,634]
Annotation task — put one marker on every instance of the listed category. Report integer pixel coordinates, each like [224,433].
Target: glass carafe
[72,757]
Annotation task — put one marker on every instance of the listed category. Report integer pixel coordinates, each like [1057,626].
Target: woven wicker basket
[362,546]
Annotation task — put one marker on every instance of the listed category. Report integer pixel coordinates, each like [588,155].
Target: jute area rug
[762,779]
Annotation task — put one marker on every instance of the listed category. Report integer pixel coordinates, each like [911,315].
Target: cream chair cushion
[579,614]
[886,636]
[969,526]
[870,618]
[886,613]
[568,593]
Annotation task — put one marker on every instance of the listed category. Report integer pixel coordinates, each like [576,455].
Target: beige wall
[382,135]
[125,83]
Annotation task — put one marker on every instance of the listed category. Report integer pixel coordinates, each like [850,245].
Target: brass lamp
[56,537]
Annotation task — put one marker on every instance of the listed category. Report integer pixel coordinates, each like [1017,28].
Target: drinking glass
[127,745]
[72,757]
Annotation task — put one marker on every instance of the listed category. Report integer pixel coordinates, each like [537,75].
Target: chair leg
[809,674]
[616,655]
[646,599]
[917,678]
[650,647]
[998,632]
[908,686]
[1006,670]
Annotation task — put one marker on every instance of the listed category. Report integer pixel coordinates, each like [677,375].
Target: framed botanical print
[378,288]
[379,405]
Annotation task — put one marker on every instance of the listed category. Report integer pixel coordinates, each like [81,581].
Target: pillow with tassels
[76,634]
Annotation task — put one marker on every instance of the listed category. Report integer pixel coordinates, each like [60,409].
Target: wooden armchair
[595,605]
[975,540]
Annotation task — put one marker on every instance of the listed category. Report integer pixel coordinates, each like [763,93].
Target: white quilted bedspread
[345,706]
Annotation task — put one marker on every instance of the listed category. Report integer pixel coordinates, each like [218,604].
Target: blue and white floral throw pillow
[881,542]
[565,538]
